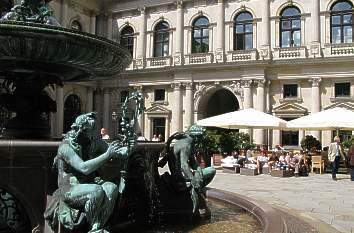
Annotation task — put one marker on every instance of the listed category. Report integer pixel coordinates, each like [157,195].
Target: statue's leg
[111,194]
[89,197]
[208,175]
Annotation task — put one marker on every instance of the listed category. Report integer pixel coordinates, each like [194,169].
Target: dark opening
[223,101]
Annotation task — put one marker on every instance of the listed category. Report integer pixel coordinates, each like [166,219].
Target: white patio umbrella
[331,119]
[244,119]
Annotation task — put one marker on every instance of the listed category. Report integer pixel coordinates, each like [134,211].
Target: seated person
[261,161]
[229,160]
[272,160]
[292,161]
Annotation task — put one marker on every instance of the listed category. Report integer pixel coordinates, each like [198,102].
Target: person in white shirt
[104,134]
[155,138]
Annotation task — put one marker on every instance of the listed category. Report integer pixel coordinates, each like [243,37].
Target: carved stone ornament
[200,90]
[246,83]
[236,88]
[315,82]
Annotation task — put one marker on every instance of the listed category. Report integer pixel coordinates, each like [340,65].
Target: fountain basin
[58,53]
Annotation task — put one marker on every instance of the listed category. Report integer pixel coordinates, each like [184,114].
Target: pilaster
[177,108]
[189,105]
[316,101]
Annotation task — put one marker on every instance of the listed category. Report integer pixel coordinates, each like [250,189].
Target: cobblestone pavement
[316,197]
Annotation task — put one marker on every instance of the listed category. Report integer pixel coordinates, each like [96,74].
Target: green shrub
[309,142]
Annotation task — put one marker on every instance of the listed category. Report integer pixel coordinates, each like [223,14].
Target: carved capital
[200,90]
[259,82]
[246,83]
[189,85]
[179,4]
[142,10]
[176,86]
[315,82]
[236,88]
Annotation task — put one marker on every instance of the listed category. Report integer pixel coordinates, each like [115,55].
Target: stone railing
[198,58]
[290,53]
[155,62]
[242,55]
[334,50]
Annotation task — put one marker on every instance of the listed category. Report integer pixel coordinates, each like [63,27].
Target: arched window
[76,25]
[290,27]
[72,109]
[161,39]
[200,35]
[243,31]
[127,39]
[341,22]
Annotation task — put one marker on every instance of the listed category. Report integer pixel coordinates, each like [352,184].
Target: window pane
[290,91]
[158,50]
[285,39]
[201,21]
[166,37]
[239,28]
[285,25]
[205,46]
[159,94]
[290,11]
[159,37]
[348,34]
[244,16]
[297,38]
[336,19]
[296,23]
[197,33]
[249,28]
[342,89]
[205,32]
[240,42]
[165,50]
[249,41]
[336,35]
[347,19]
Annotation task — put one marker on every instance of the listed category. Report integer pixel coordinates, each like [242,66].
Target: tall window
[72,109]
[127,39]
[243,31]
[161,39]
[159,126]
[342,89]
[200,35]
[159,95]
[290,91]
[290,138]
[290,27]
[76,25]
[341,22]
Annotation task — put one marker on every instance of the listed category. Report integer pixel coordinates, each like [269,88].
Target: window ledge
[341,99]
[160,102]
[291,100]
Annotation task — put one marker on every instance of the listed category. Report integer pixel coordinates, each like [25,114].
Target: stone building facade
[194,59]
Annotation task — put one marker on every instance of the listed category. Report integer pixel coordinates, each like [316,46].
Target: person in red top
[351,157]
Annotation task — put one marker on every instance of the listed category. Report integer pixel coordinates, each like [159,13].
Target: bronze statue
[36,11]
[186,174]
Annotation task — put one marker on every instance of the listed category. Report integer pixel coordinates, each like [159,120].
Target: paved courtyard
[315,198]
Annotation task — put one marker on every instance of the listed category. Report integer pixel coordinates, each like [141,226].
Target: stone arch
[332,2]
[18,202]
[77,19]
[161,19]
[243,9]
[204,95]
[199,14]
[289,4]
[127,24]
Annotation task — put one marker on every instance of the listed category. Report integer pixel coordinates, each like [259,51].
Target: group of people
[140,137]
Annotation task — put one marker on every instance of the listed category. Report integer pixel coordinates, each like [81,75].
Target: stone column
[247,101]
[141,50]
[63,13]
[189,105]
[178,57]
[93,23]
[60,111]
[265,47]
[106,108]
[316,102]
[140,126]
[247,93]
[110,27]
[177,108]
[89,99]
[220,32]
[316,28]
[260,106]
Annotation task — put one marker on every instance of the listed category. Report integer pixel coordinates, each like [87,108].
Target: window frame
[202,37]
[292,30]
[342,96]
[165,33]
[297,90]
[242,23]
[164,95]
[127,40]
[341,24]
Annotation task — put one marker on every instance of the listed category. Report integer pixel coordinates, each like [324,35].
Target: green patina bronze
[36,11]
[83,200]
[186,174]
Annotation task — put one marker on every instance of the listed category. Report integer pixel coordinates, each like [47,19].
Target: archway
[220,102]
[72,109]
